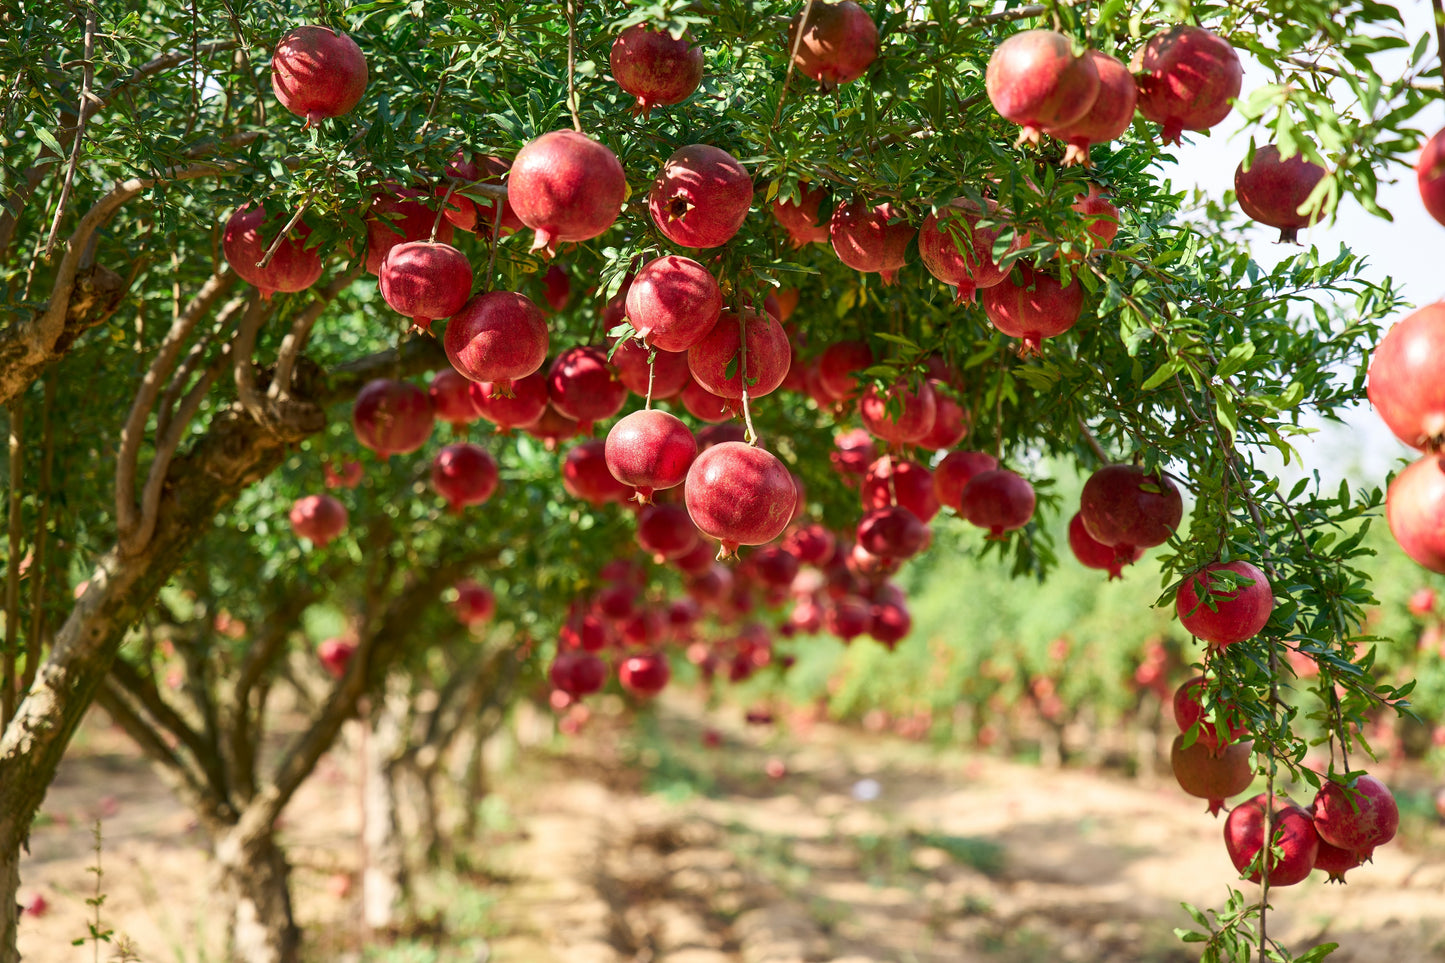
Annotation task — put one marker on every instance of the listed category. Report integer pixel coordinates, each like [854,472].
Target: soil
[781,845]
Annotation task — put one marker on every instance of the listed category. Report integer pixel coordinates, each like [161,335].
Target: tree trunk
[383,878]
[9,908]
[255,883]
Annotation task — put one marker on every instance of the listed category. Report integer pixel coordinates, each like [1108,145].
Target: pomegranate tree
[293,266]
[1230,614]
[318,518]
[392,417]
[1415,510]
[655,67]
[498,337]
[1272,190]
[650,450]
[739,495]
[1187,78]
[1405,384]
[566,187]
[836,45]
[701,196]
[464,474]
[1034,80]
[317,72]
[425,281]
[871,239]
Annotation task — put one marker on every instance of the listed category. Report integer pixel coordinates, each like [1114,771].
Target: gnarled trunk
[9,909]
[255,883]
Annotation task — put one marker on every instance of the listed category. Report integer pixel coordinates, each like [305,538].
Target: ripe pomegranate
[585,475]
[577,673]
[292,268]
[583,631]
[655,67]
[812,544]
[1128,508]
[1294,845]
[898,481]
[913,412]
[704,405]
[957,251]
[892,532]
[667,533]
[1186,79]
[645,674]
[617,601]
[650,450]
[953,474]
[319,518]
[1095,554]
[700,197]
[553,427]
[451,399]
[803,219]
[1032,305]
[848,617]
[1430,176]
[566,187]
[1034,80]
[475,604]
[889,623]
[556,287]
[425,281]
[399,215]
[838,42]
[837,366]
[1405,385]
[739,495]
[582,385]
[1271,190]
[477,216]
[1422,601]
[498,337]
[871,239]
[335,655]
[1237,614]
[318,73]
[1415,510]
[774,566]
[765,364]
[1335,862]
[665,377]
[950,421]
[1102,217]
[347,476]
[998,500]
[1107,118]
[392,417]
[1357,818]
[464,474]
[1189,710]
[522,408]
[1209,775]
[673,302]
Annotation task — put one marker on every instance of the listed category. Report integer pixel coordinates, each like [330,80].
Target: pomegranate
[1189,710]
[739,495]
[774,566]
[898,481]
[292,268]
[650,450]
[1107,118]
[645,674]
[498,337]
[848,617]
[838,42]
[1032,305]
[1405,385]
[477,216]
[1128,508]
[1335,862]
[1358,817]
[451,399]
[837,366]
[392,417]
[1230,615]
[319,518]
[912,414]
[787,299]
[998,500]
[1422,601]
[1186,78]
[425,281]
[1101,217]
[673,303]
[335,655]
[553,427]
[566,187]
[704,405]
[617,602]
[1095,554]
[1271,190]
[585,475]
[1209,775]
[665,377]
[803,219]
[524,407]
[889,623]
[318,73]
[953,474]
[475,604]
[583,631]
[582,385]
[399,215]
[1430,176]
[556,287]
[950,421]
[957,251]
[764,365]
[892,532]
[1415,510]
[577,673]
[700,197]
[1294,845]
[464,474]
[667,533]
[871,239]
[812,544]
[1034,80]
[347,476]
[655,67]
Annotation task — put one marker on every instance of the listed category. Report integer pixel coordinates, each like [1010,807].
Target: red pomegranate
[553,427]
[566,187]
[900,416]
[585,475]
[1405,384]
[392,417]
[773,566]
[1189,709]
[812,544]
[577,673]
[478,216]
[1129,508]
[1430,176]
[953,474]
[1356,818]
[1335,862]
[1415,510]
[1107,118]
[451,399]
[498,337]
[524,407]
[765,364]
[1034,80]
[318,73]
[348,475]
[848,617]
[665,377]
[655,67]
[556,287]
[803,219]
[1092,553]
[475,604]
[838,42]
[837,367]
[673,302]
[582,385]
[645,674]
[957,251]
[583,631]
[1294,844]
[950,421]
[399,215]
[650,450]
[335,655]
[667,533]
[292,268]
[998,500]
[704,405]
[464,475]
[318,518]
[898,481]
[1209,775]
[1232,614]
[1186,78]
[1032,305]
[1271,190]
[701,196]
[739,495]
[892,532]
[871,239]
[889,623]
[1101,216]
[425,281]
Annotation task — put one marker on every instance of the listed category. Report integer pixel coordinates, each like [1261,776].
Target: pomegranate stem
[436,224]
[651,372]
[276,244]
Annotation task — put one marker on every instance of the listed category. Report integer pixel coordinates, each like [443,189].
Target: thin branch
[436,97]
[572,103]
[276,244]
[182,378]
[12,580]
[295,341]
[34,644]
[1093,443]
[243,346]
[792,59]
[87,77]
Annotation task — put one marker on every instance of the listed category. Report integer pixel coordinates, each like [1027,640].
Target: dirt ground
[614,847]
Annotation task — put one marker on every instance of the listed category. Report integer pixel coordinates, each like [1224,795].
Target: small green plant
[98,934]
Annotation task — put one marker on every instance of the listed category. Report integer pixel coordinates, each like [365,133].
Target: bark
[384,876]
[9,907]
[25,353]
[255,884]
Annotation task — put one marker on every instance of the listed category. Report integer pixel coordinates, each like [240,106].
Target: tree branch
[165,411]
[87,77]
[143,690]
[260,656]
[12,574]
[295,341]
